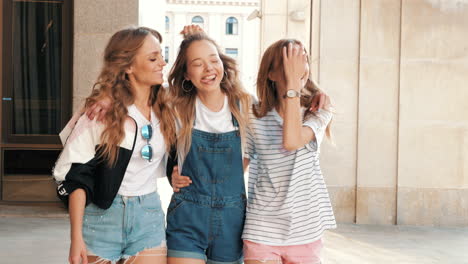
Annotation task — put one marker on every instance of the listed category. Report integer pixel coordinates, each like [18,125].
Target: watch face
[292,93]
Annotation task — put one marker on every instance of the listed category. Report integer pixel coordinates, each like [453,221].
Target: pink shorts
[304,254]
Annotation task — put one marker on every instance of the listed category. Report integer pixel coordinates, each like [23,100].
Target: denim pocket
[151,209]
[151,204]
[214,163]
[93,209]
[173,206]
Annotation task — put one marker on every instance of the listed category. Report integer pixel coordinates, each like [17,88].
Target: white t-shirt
[213,122]
[288,200]
[140,176]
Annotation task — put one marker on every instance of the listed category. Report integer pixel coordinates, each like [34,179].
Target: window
[168,24]
[38,51]
[198,20]
[232,26]
[232,53]
[166,54]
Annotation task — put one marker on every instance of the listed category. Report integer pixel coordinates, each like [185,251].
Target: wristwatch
[291,94]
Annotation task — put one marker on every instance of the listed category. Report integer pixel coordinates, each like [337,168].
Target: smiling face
[147,66]
[204,67]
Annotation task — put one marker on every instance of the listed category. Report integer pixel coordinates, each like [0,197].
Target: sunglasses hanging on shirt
[147,150]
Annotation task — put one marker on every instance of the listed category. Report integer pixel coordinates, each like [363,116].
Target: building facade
[226,22]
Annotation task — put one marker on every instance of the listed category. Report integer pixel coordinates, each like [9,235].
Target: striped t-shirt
[288,200]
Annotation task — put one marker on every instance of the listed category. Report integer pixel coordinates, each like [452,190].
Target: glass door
[35,95]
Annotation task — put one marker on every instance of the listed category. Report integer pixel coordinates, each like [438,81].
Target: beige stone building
[223,20]
[396,71]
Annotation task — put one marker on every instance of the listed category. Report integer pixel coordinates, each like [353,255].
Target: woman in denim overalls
[205,220]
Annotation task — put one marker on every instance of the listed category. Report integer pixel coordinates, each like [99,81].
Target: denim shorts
[131,225]
[200,229]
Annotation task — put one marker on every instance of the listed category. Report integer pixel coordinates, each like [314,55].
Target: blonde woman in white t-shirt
[107,171]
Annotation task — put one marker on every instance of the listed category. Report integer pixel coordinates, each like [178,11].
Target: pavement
[40,234]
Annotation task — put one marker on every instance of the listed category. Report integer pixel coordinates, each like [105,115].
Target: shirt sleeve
[249,152]
[318,124]
[75,167]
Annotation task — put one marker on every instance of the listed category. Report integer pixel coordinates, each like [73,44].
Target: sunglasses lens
[147,132]
[147,152]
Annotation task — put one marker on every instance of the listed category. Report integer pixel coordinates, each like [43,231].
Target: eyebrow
[211,55]
[154,53]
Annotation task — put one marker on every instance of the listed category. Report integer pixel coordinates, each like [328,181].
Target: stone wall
[397,73]
[94,23]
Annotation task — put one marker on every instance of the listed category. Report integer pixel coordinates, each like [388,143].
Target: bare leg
[148,256]
[262,262]
[184,261]
[97,260]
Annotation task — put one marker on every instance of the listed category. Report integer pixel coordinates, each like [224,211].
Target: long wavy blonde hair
[266,89]
[184,102]
[113,82]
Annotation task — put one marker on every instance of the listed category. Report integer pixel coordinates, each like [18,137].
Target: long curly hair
[184,95]
[113,82]
[266,90]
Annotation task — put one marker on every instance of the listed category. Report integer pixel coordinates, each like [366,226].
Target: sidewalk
[31,234]
[396,244]
[46,240]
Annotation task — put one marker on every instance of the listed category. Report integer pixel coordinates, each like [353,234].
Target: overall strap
[235,123]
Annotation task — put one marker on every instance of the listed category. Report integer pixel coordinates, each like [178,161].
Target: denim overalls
[205,220]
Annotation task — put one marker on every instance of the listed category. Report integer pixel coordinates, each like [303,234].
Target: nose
[162,60]
[208,67]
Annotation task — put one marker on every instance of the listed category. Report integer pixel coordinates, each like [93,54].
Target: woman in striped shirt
[288,204]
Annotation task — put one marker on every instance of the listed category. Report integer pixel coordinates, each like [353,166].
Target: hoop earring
[225,76]
[186,90]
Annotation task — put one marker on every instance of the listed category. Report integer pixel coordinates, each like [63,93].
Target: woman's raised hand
[294,64]
[190,30]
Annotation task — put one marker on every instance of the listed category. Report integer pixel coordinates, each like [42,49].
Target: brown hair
[113,82]
[266,90]
[184,93]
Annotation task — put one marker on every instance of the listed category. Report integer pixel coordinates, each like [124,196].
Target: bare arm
[295,135]
[77,204]
[246,163]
